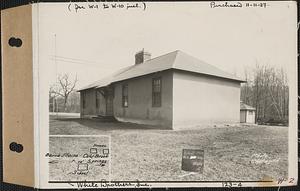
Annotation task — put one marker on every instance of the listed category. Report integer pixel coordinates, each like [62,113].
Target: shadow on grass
[109,125]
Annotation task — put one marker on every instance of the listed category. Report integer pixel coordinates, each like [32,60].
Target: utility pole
[55,62]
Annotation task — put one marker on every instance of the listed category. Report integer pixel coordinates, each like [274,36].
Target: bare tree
[246,89]
[267,91]
[64,88]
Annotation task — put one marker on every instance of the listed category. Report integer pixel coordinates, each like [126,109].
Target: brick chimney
[142,56]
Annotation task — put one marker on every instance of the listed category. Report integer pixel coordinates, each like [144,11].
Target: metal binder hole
[15,147]
[15,42]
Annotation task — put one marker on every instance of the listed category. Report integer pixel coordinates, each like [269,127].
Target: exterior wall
[250,117]
[247,116]
[243,116]
[188,101]
[90,103]
[203,100]
[140,109]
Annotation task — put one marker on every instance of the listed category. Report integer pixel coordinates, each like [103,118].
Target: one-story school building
[174,91]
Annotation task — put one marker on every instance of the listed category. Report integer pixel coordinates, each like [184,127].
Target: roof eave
[211,75]
[247,109]
[85,89]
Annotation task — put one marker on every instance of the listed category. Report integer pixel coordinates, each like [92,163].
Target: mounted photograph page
[150,94]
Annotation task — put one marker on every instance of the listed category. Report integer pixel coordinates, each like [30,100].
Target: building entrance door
[110,102]
[109,106]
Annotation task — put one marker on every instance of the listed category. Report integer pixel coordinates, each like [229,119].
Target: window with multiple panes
[125,95]
[156,92]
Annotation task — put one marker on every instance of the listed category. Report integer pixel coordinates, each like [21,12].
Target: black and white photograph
[169,92]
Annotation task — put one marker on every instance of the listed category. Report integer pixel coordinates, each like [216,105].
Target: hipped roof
[173,60]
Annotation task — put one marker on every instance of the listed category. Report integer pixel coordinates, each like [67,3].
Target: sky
[93,43]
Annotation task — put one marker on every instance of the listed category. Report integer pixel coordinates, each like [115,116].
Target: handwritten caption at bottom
[107,184]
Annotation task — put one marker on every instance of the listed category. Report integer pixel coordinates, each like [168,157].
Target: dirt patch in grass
[231,153]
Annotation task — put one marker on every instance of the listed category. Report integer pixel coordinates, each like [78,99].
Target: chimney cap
[143,51]
[142,56]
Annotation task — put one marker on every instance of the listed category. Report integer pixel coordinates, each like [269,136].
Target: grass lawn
[230,153]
